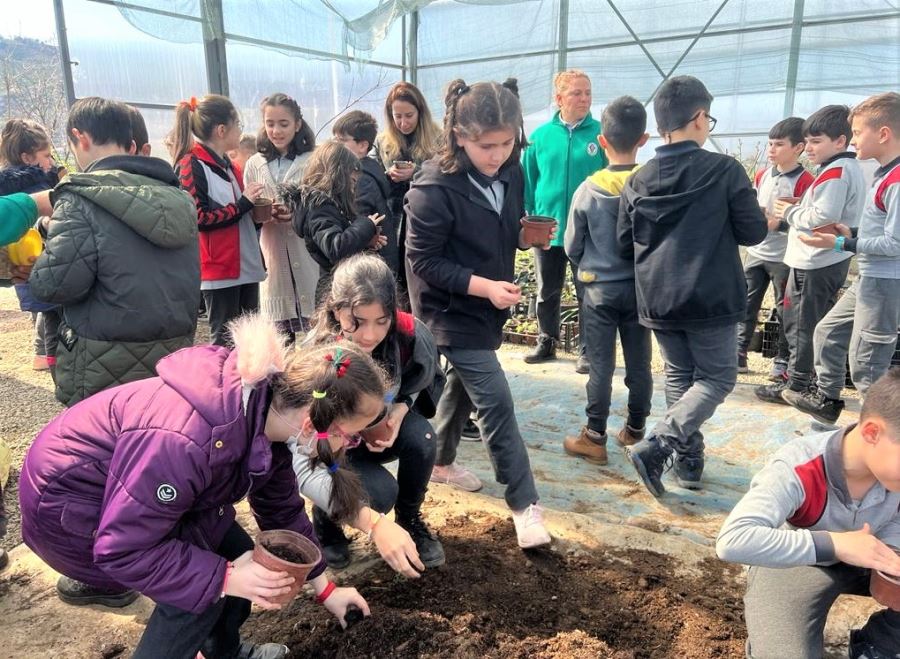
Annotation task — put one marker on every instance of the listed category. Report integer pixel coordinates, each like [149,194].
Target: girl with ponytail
[464,211]
[132,490]
[231,265]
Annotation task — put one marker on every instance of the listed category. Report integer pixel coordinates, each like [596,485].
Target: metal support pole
[412,47]
[65,60]
[214,46]
[403,61]
[790,85]
[562,59]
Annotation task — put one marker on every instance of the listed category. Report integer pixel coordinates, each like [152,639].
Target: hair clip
[462,89]
[333,467]
[322,435]
[318,395]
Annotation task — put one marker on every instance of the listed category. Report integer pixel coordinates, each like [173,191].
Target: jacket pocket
[80,518]
[875,347]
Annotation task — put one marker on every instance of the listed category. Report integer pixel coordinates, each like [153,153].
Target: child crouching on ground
[609,297]
[817,519]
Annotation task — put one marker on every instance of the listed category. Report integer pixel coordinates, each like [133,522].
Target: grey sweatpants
[864,324]
[786,610]
[477,380]
[701,370]
[809,295]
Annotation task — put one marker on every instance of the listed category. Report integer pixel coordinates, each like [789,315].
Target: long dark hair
[329,170]
[473,111]
[320,369]
[359,280]
[21,136]
[198,119]
[304,139]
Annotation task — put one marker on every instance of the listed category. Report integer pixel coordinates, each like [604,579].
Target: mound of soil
[493,601]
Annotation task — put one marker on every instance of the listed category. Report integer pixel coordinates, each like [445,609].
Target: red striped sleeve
[802,184]
[815,493]
[889,180]
[758,178]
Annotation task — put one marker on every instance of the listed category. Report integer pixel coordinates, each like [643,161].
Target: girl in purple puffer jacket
[133,488]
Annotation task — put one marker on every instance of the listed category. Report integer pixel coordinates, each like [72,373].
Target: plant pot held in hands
[537,230]
[282,550]
[885,588]
[262,210]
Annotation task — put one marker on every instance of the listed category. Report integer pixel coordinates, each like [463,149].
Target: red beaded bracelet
[326,592]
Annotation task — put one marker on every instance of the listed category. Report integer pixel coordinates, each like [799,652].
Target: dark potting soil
[493,601]
[286,553]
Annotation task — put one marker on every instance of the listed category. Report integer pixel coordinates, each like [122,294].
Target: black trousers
[758,275]
[225,304]
[550,268]
[177,634]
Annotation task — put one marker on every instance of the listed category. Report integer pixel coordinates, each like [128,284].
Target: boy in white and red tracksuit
[765,262]
[817,275]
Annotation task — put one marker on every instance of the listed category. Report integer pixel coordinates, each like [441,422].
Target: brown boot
[628,436]
[589,445]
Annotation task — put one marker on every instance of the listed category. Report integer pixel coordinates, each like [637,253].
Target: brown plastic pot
[292,541]
[262,210]
[789,200]
[538,229]
[885,588]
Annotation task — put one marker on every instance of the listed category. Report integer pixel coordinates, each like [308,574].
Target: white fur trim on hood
[260,347]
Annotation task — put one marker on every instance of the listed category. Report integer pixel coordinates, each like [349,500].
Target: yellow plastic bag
[5,463]
[26,248]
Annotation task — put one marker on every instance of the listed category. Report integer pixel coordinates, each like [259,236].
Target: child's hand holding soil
[397,548]
[340,599]
[255,583]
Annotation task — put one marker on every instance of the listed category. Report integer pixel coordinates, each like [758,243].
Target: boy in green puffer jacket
[121,258]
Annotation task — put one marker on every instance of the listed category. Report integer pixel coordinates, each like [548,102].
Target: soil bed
[494,601]
[286,554]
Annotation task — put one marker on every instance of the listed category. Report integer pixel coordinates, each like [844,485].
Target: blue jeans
[701,370]
[477,380]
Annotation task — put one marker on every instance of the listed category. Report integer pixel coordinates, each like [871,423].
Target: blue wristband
[839,244]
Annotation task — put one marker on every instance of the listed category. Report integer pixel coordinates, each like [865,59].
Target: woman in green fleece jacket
[563,152]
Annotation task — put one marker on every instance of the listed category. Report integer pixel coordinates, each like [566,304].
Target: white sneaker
[459,477]
[530,530]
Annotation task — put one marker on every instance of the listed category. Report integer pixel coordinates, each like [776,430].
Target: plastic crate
[771,328]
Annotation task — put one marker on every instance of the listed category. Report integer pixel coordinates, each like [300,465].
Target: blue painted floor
[550,402]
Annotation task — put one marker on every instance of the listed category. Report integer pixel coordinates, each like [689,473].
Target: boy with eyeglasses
[682,217]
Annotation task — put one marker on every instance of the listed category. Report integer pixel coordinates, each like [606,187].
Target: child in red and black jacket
[231,264]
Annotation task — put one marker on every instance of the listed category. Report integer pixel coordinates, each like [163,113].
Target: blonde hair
[564,78]
[425,139]
[880,110]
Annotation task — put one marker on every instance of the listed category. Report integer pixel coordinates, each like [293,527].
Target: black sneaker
[262,651]
[544,351]
[651,458]
[582,365]
[816,404]
[742,364]
[78,593]
[335,546]
[688,471]
[431,551]
[861,648]
[470,431]
[771,393]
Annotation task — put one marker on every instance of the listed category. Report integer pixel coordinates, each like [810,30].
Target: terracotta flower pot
[538,229]
[885,588]
[304,555]
[262,210]
[789,200]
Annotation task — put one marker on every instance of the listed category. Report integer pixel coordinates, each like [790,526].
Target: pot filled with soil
[286,551]
[885,588]
[262,210]
[538,229]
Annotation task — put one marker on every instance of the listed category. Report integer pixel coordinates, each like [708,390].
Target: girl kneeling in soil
[464,209]
[361,308]
[134,486]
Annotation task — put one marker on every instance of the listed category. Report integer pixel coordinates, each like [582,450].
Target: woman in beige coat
[284,144]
